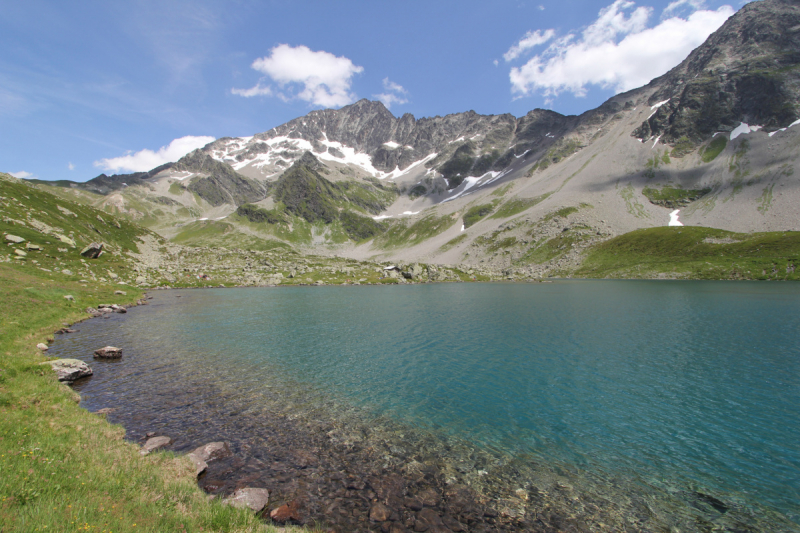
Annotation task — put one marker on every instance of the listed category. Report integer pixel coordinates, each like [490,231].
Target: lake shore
[329,461]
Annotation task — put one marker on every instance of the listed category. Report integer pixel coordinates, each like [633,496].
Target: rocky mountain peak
[740,74]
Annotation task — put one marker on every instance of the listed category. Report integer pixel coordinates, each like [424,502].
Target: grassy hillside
[695,253]
[61,467]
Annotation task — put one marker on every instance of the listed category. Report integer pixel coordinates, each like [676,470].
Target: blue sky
[110,86]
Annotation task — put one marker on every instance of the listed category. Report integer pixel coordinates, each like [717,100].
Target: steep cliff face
[747,71]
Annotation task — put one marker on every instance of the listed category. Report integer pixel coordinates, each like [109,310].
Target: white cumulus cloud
[531,39]
[394,94]
[618,50]
[318,77]
[70,166]
[145,160]
[22,174]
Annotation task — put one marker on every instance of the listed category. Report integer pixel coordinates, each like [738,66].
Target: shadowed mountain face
[747,72]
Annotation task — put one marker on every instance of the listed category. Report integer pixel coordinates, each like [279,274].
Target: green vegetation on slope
[358,227]
[695,253]
[710,152]
[399,234]
[476,213]
[518,205]
[61,467]
[673,196]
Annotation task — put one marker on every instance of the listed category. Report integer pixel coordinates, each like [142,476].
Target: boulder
[66,272]
[254,499]
[109,352]
[380,512]
[32,247]
[199,463]
[69,369]
[15,239]
[66,240]
[69,297]
[121,293]
[92,251]
[213,450]
[155,443]
[20,253]
[43,347]
[286,513]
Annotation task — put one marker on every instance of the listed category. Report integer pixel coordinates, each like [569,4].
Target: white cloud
[325,78]
[616,51]
[70,166]
[258,90]
[531,39]
[395,94]
[22,175]
[675,8]
[145,160]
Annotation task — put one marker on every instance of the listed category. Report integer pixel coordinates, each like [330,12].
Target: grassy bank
[696,253]
[63,468]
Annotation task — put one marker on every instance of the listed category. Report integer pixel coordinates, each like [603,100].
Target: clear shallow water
[686,391]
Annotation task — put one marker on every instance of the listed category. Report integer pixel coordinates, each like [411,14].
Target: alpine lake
[664,406]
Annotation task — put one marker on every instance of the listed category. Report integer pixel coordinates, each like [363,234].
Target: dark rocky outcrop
[745,72]
[93,250]
[221,183]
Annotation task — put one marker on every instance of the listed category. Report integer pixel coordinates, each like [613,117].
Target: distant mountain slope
[711,143]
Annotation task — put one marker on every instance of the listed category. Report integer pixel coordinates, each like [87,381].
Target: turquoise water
[688,391]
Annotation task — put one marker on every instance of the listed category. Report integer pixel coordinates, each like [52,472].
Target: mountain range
[710,144]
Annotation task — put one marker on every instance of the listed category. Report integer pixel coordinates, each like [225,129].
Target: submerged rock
[213,451]
[248,497]
[286,513]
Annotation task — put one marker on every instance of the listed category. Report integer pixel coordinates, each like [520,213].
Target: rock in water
[199,464]
[69,369]
[212,451]
[92,251]
[109,352]
[155,443]
[255,499]
[286,513]
[380,512]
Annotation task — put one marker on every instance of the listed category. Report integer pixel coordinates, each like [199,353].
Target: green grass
[63,468]
[673,196]
[476,213]
[710,152]
[518,205]
[176,188]
[564,212]
[453,242]
[695,253]
[682,147]
[399,234]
